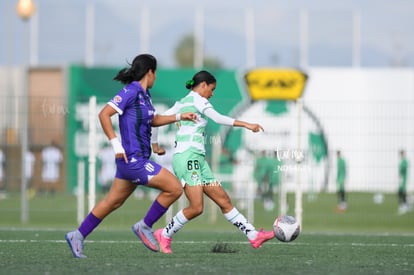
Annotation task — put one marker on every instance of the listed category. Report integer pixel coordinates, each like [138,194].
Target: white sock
[176,223]
[238,220]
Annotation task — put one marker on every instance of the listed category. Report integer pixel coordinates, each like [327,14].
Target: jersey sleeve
[173,110]
[122,100]
[202,104]
[154,135]
[219,118]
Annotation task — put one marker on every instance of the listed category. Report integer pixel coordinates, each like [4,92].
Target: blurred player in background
[30,162]
[107,169]
[340,181]
[402,187]
[191,167]
[136,115]
[51,158]
[267,176]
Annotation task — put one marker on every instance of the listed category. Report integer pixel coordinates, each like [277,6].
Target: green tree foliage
[184,54]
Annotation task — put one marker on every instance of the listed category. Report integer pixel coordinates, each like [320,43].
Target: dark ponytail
[135,72]
[201,76]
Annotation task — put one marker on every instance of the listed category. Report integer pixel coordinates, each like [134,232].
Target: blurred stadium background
[357,97]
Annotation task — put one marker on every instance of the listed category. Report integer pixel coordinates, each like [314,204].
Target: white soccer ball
[286,228]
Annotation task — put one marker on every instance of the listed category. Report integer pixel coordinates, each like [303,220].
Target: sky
[120,31]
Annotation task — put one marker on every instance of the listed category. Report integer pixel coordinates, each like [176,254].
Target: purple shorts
[139,171]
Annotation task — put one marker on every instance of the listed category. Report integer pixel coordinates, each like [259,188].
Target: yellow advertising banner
[275,84]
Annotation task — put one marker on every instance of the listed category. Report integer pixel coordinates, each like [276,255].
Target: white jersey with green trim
[190,134]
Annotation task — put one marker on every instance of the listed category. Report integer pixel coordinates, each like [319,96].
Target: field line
[296,243]
[313,233]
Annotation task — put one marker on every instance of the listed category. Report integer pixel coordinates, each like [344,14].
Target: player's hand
[159,151]
[189,116]
[254,127]
[118,149]
[122,155]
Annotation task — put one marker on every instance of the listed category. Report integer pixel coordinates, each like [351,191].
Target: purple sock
[154,213]
[89,224]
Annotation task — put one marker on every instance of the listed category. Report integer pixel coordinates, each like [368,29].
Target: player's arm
[156,149]
[105,119]
[254,127]
[172,115]
[160,120]
[225,120]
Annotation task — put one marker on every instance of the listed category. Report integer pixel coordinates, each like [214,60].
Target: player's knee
[112,202]
[176,192]
[115,205]
[197,210]
[226,207]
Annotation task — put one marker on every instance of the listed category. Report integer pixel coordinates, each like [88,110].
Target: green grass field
[368,239]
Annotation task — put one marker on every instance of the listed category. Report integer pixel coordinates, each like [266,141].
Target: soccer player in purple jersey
[136,117]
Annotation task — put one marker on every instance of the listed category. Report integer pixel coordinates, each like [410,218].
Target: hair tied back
[190,83]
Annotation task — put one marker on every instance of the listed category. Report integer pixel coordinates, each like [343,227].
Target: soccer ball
[286,228]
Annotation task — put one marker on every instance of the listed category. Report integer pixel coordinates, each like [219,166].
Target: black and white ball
[286,228]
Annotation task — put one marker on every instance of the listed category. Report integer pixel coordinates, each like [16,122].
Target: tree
[184,54]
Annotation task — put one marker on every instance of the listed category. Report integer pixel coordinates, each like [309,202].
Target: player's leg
[343,198]
[187,167]
[169,186]
[171,190]
[164,235]
[216,193]
[119,192]
[402,198]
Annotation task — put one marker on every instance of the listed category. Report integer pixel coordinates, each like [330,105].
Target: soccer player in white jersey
[51,157]
[192,169]
[107,169]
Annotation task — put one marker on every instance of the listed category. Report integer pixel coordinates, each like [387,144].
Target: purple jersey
[136,113]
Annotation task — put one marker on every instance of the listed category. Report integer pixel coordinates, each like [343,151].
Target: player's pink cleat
[262,236]
[165,243]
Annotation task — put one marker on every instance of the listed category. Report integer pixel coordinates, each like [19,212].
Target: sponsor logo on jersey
[117,99]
